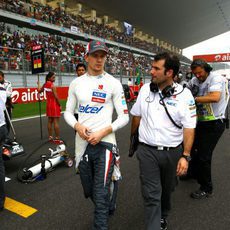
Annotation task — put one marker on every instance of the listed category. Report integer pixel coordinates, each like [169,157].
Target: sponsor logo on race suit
[100,87]
[98,97]
[172,103]
[191,102]
[89,109]
[123,102]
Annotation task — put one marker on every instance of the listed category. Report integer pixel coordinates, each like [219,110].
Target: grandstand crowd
[59,17]
[69,52]
[61,53]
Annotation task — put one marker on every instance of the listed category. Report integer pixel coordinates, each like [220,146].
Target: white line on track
[28,118]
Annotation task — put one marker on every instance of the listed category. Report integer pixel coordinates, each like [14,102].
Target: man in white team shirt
[211,99]
[165,116]
[96,93]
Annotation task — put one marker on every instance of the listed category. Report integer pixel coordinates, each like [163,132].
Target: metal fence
[16,64]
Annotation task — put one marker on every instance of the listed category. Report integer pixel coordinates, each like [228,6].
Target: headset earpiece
[207,68]
[168,91]
[153,87]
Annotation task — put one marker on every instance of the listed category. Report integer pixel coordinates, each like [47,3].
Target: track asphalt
[61,205]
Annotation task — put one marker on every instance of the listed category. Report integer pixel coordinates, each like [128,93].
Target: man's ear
[169,73]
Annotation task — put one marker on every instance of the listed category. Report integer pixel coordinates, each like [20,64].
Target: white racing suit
[96,97]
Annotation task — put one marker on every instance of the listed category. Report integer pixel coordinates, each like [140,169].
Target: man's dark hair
[80,65]
[171,62]
[201,63]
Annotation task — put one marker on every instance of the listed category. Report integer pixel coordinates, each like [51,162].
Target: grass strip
[31,109]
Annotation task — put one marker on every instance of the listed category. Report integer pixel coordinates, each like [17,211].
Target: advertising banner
[222,57]
[74,29]
[27,95]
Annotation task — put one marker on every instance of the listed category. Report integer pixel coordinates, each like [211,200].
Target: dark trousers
[96,168]
[3,132]
[9,110]
[207,136]
[76,116]
[158,180]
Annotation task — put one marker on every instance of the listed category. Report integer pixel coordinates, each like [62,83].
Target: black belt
[161,148]
[217,121]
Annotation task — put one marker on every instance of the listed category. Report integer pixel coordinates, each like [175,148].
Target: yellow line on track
[19,208]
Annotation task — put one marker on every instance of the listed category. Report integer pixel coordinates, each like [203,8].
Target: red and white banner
[27,95]
[223,57]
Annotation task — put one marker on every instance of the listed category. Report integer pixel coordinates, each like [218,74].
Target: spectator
[59,17]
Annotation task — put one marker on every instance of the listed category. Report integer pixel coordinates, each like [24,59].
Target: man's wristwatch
[186,157]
